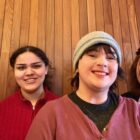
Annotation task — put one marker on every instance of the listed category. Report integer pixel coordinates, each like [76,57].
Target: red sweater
[16,115]
[63,120]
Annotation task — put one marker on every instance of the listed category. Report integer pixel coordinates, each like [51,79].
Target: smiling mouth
[31,80]
[100,73]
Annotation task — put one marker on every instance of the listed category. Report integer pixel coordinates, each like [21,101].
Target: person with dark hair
[94,111]
[134,91]
[32,73]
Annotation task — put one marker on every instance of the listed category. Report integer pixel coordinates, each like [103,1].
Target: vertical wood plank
[2,10]
[4,61]
[58,47]
[91,15]
[83,17]
[33,23]
[116,21]
[126,42]
[50,34]
[118,35]
[67,65]
[25,23]
[75,23]
[50,37]
[41,35]
[137,8]
[133,27]
[99,15]
[11,86]
[107,16]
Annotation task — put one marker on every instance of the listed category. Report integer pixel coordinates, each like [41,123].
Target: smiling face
[98,69]
[30,71]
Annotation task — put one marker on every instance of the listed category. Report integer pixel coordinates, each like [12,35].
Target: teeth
[30,80]
[100,73]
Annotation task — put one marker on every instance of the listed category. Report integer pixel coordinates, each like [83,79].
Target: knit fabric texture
[94,38]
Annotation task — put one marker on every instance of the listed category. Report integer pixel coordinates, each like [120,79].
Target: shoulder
[10,99]
[54,104]
[130,95]
[130,105]
[59,102]
[10,103]
[57,106]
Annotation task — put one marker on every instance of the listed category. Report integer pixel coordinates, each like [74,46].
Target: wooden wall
[57,25]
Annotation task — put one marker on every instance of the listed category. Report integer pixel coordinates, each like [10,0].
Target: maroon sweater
[16,115]
[63,120]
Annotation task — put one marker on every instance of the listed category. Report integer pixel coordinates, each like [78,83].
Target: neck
[33,97]
[92,96]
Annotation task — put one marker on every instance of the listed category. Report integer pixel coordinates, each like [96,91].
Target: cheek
[42,73]
[84,64]
[18,75]
[114,69]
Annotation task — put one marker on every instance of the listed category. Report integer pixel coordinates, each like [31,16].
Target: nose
[102,61]
[29,71]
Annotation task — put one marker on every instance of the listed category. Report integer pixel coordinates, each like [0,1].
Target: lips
[100,73]
[30,80]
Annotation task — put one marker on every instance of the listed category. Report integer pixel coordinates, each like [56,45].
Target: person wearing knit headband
[93,110]
[92,39]
[134,79]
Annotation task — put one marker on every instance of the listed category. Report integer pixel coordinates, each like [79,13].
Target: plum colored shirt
[62,119]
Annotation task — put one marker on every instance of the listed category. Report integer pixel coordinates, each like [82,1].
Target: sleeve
[43,125]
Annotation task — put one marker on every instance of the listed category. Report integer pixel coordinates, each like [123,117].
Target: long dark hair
[120,74]
[134,83]
[39,53]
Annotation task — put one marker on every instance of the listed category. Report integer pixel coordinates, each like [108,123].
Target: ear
[46,70]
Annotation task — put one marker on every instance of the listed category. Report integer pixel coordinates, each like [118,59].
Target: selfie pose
[93,111]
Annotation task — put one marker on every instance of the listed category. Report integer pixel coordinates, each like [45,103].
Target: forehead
[27,57]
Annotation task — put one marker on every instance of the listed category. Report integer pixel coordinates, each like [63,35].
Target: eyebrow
[20,64]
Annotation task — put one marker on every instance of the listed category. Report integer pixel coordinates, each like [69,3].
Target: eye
[22,67]
[92,54]
[36,66]
[111,56]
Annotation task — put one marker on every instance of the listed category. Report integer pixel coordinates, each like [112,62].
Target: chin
[31,90]
[102,87]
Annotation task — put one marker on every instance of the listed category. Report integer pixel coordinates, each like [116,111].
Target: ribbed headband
[94,38]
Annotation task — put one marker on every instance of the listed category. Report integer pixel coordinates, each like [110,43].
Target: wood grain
[55,26]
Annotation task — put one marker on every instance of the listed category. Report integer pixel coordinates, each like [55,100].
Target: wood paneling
[56,25]
[58,46]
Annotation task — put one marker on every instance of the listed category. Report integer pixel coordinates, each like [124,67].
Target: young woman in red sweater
[93,111]
[32,73]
